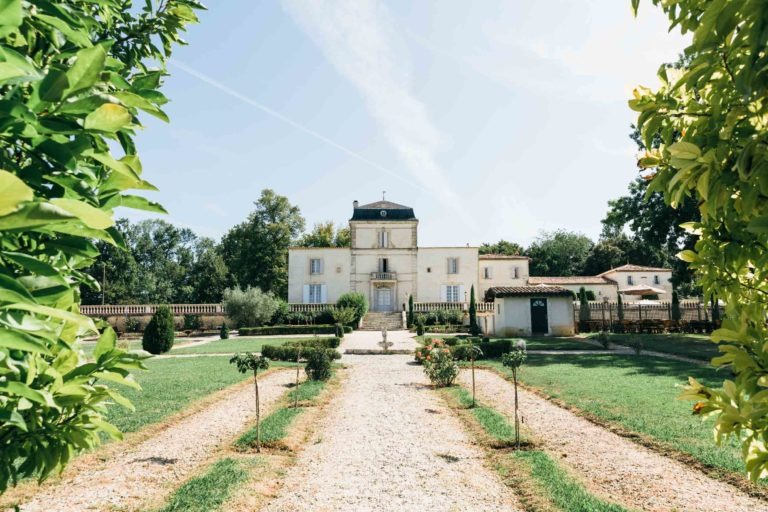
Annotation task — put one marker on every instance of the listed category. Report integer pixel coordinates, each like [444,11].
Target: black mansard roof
[383,210]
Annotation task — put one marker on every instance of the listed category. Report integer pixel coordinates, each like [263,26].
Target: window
[486,272]
[630,281]
[453,265]
[452,293]
[315,294]
[383,264]
[515,272]
[383,239]
[656,280]
[429,269]
[315,266]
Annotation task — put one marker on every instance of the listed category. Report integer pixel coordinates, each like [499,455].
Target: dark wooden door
[539,321]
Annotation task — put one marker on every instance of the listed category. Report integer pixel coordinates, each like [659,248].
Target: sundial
[384,343]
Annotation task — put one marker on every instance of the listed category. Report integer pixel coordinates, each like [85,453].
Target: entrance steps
[377,320]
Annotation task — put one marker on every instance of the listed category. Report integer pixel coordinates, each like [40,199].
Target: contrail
[245,99]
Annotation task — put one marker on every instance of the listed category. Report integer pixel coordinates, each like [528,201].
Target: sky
[492,119]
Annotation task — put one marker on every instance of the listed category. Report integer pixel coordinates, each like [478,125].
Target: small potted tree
[251,362]
[514,360]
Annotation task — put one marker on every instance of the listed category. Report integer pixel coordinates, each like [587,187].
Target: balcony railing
[97,310]
[383,276]
[423,307]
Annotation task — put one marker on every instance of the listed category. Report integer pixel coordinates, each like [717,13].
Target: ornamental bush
[158,335]
[440,367]
[357,301]
[287,329]
[224,331]
[250,307]
[318,365]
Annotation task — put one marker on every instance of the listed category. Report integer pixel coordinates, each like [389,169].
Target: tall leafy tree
[75,76]
[502,247]
[710,116]
[209,275]
[325,234]
[559,253]
[256,251]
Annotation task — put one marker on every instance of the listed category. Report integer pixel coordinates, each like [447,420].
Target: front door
[384,299]
[539,321]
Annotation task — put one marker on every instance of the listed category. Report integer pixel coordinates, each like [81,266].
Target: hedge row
[331,342]
[287,329]
[491,349]
[289,353]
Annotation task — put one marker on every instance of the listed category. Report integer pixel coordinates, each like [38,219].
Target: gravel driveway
[153,468]
[389,443]
[610,464]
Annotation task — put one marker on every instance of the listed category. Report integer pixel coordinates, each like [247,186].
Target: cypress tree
[473,327]
[620,310]
[676,314]
[584,314]
[410,311]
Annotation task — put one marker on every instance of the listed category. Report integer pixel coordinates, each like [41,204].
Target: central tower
[384,250]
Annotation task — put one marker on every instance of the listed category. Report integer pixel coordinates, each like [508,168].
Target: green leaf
[11,13]
[140,203]
[105,344]
[688,256]
[34,215]
[90,215]
[53,86]
[13,192]
[684,151]
[17,340]
[79,320]
[758,225]
[86,69]
[108,118]
[21,389]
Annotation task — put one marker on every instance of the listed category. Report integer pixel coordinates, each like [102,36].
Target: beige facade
[498,270]
[513,315]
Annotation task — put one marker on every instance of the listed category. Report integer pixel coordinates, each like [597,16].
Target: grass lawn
[172,384]
[695,346]
[637,393]
[232,345]
[210,490]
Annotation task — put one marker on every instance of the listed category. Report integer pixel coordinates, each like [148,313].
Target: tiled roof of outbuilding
[629,267]
[528,291]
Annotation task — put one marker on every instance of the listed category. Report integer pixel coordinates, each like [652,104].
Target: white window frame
[383,239]
[452,292]
[453,265]
[315,266]
[315,294]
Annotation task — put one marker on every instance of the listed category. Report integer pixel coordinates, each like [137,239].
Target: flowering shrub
[421,352]
[440,367]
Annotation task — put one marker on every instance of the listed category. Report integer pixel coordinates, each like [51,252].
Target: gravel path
[389,443]
[153,468]
[610,464]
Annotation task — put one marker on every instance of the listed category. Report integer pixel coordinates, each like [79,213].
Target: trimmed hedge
[288,353]
[348,329]
[491,349]
[332,342]
[287,329]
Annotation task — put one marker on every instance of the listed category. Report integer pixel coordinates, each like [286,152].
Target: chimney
[355,203]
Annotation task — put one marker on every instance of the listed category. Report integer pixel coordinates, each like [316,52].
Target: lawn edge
[735,479]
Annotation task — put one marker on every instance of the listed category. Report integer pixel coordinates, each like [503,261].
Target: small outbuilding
[532,310]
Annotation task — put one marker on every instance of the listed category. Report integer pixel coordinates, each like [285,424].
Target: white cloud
[359,39]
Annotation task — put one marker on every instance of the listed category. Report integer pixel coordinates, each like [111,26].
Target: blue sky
[493,119]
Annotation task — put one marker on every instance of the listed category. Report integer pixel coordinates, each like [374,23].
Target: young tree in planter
[474,329]
[159,333]
[514,360]
[709,119]
[76,76]
[252,363]
[474,353]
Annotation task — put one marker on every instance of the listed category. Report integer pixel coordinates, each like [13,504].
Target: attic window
[383,213]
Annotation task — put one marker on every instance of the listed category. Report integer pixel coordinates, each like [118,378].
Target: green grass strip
[209,491]
[274,427]
[493,423]
[559,488]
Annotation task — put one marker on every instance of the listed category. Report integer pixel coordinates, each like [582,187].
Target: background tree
[502,247]
[559,253]
[75,76]
[256,251]
[675,313]
[325,234]
[710,119]
[209,275]
[250,307]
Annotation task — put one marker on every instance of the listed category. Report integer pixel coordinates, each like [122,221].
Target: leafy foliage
[357,301]
[474,329]
[325,234]
[250,307]
[224,331]
[344,316]
[75,76]
[256,251]
[502,247]
[439,366]
[159,333]
[318,365]
[710,117]
[249,362]
[560,253]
